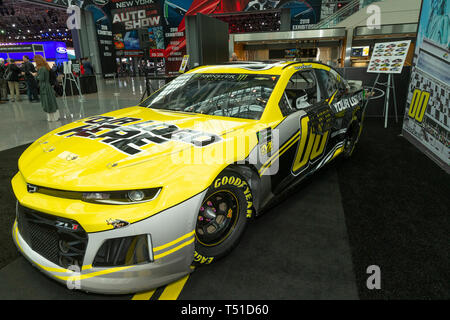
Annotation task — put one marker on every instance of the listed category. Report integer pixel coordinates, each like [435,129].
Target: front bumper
[172,245]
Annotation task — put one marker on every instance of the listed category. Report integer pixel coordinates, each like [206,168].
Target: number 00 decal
[310,147]
[418,105]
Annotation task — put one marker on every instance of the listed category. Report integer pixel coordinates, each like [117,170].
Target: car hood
[130,148]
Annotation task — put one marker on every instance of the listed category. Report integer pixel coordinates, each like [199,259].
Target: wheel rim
[217,218]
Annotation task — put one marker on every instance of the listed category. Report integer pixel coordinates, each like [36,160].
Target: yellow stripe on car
[332,97]
[174,241]
[159,256]
[93,274]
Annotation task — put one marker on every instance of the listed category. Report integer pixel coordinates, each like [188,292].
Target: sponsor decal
[202,259]
[345,104]
[66,225]
[306,66]
[117,223]
[310,148]
[31,188]
[130,139]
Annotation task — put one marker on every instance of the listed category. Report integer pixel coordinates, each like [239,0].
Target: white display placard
[184,63]
[67,65]
[389,57]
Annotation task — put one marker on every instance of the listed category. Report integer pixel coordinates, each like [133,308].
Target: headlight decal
[105,197]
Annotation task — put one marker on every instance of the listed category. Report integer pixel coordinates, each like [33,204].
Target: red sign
[157,53]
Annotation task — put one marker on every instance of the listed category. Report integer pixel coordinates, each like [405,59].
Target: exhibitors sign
[389,57]
[104,39]
[427,116]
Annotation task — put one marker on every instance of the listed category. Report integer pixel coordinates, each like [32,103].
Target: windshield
[229,95]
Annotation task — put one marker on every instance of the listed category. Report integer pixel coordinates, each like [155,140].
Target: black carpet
[8,168]
[397,203]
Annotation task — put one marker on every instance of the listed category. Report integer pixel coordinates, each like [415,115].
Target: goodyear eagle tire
[222,218]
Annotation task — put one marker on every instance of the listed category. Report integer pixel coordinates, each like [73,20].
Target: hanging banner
[104,39]
[184,64]
[427,117]
[130,16]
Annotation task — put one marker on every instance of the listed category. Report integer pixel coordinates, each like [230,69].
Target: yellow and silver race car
[133,199]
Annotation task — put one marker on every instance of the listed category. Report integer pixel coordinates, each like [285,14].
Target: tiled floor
[23,122]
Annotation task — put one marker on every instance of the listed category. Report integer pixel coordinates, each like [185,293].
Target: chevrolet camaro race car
[133,199]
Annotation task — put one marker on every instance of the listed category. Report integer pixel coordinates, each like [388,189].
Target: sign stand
[68,76]
[390,84]
[388,58]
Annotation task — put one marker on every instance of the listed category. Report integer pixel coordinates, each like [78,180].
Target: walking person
[48,98]
[3,82]
[12,76]
[32,88]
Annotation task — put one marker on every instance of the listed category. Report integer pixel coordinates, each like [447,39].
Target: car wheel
[222,217]
[351,139]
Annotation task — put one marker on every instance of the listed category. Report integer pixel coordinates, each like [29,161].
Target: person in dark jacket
[87,65]
[3,82]
[13,73]
[28,70]
[48,98]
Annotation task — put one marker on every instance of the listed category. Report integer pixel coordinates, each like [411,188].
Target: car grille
[59,240]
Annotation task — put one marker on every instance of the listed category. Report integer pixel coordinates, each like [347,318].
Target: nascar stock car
[135,198]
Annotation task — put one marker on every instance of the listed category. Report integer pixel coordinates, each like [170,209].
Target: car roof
[258,67]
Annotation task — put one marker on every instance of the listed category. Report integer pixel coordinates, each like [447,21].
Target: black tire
[223,216]
[352,138]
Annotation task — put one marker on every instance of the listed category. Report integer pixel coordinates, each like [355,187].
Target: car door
[300,147]
[334,91]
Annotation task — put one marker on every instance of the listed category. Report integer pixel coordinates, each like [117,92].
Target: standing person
[88,69]
[48,98]
[28,70]
[3,82]
[12,76]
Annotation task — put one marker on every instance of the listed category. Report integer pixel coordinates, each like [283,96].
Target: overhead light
[13,24]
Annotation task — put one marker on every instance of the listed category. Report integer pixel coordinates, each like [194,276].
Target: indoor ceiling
[27,21]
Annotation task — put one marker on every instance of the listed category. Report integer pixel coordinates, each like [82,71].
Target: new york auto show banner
[427,116]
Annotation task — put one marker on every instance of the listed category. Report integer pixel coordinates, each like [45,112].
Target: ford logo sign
[61,50]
